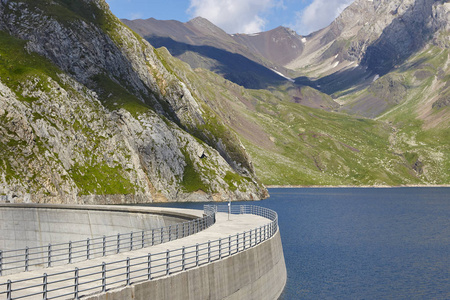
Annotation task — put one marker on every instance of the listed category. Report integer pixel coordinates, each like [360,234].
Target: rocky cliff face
[378,34]
[90,114]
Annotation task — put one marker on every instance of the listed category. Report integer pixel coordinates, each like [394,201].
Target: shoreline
[356,186]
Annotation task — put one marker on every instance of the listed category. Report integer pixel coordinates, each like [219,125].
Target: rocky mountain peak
[206,27]
[379,34]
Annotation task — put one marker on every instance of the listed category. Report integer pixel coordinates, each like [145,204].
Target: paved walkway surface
[90,278]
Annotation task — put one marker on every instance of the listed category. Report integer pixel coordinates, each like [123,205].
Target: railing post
[88,248]
[220,248]
[153,237]
[44,286]
[70,252]
[8,290]
[26,258]
[128,271]
[183,262]
[49,255]
[77,282]
[182,234]
[162,235]
[131,240]
[170,233]
[149,266]
[103,277]
[167,262]
[104,246]
[244,240]
[118,243]
[260,234]
[143,238]
[229,245]
[196,255]
[1,262]
[237,243]
[209,251]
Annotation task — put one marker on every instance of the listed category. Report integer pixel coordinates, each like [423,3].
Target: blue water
[363,243]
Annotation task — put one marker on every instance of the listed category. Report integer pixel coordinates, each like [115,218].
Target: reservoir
[362,243]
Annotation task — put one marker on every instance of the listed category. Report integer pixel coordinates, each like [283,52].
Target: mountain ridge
[407,93]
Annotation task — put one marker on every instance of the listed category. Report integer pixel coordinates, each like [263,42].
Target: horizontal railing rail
[81,282]
[31,258]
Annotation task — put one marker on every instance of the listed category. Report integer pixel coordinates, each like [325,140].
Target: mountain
[291,144]
[202,44]
[254,61]
[387,65]
[280,45]
[371,38]
[90,113]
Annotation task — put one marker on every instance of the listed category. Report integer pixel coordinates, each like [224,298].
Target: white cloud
[134,16]
[319,14]
[234,16]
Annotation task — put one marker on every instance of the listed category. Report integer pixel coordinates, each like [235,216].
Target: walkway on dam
[222,229]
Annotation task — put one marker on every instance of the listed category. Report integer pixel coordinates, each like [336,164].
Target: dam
[134,252]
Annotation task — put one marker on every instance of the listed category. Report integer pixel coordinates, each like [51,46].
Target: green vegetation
[17,65]
[100,179]
[192,180]
[234,180]
[314,147]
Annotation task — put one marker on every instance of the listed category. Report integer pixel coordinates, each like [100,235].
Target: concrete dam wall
[39,225]
[237,256]
[258,273]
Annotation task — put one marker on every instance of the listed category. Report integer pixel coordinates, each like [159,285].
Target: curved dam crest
[250,267]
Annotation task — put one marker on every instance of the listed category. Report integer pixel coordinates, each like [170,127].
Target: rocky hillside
[91,113]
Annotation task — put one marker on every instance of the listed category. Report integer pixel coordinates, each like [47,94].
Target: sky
[237,16]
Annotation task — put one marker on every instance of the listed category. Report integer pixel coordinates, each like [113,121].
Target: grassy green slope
[420,117]
[291,144]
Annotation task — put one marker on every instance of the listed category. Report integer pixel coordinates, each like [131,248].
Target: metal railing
[30,258]
[81,282]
